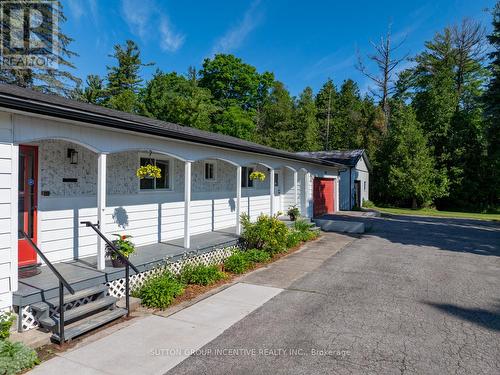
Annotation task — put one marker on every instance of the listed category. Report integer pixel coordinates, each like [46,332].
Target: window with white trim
[246,181]
[210,171]
[162,183]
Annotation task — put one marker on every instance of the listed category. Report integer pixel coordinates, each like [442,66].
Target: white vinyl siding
[288,190]
[8,234]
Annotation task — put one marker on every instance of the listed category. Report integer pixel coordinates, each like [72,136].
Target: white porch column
[271,190]
[295,187]
[187,204]
[14,215]
[101,209]
[238,200]
[306,194]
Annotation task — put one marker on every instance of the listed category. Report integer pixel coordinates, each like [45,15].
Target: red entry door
[28,197]
[323,193]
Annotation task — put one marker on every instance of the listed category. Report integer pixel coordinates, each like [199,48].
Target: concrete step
[341,226]
[40,307]
[77,312]
[90,323]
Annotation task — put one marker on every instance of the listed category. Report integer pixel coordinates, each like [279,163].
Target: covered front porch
[73,183]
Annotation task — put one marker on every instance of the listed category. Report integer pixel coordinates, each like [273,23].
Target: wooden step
[68,297]
[72,314]
[90,323]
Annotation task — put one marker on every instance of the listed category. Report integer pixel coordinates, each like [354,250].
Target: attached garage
[354,178]
[324,196]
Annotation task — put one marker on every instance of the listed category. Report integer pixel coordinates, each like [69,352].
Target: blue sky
[302,42]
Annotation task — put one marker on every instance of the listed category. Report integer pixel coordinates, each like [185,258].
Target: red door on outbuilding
[323,193]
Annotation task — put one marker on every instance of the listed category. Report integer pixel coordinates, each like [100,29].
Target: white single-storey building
[354,179]
[64,162]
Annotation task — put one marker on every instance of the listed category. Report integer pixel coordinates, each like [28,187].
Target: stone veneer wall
[149,216]
[121,168]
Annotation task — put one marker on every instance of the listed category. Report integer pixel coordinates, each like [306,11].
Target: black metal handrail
[62,283]
[124,259]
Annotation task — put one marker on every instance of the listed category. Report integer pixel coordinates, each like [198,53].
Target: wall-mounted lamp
[73,155]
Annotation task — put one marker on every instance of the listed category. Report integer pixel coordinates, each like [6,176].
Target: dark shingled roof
[346,157]
[30,101]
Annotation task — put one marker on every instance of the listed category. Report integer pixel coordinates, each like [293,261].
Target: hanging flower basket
[257,176]
[148,171]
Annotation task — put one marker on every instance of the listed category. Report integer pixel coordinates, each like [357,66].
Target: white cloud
[331,65]
[137,17]
[235,36]
[146,19]
[170,40]
[78,9]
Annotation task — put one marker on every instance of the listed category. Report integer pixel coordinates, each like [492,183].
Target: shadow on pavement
[482,317]
[460,235]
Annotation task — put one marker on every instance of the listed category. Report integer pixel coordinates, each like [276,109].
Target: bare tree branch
[386,64]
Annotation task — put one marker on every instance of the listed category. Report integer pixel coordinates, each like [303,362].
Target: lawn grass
[434,212]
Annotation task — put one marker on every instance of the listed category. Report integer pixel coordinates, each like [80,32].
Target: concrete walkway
[155,344]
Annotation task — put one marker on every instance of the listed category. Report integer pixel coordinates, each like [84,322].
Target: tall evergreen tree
[277,115]
[305,128]
[58,81]
[492,114]
[94,91]
[350,117]
[407,169]
[449,79]
[436,100]
[327,107]
[123,79]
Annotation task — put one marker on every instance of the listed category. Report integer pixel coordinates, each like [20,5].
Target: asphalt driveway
[414,295]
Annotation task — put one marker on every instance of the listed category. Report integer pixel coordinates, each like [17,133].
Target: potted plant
[293,212]
[124,246]
[256,175]
[148,171]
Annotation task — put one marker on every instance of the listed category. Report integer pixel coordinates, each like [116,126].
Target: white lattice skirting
[117,287]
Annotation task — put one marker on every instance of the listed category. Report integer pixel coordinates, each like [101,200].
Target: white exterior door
[278,187]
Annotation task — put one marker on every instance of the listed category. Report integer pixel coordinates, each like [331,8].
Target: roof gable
[346,157]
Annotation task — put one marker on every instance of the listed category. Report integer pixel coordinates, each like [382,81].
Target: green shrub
[257,256]
[302,225]
[16,357]
[311,235]
[293,239]
[368,203]
[201,274]
[237,263]
[268,233]
[160,291]
[6,321]
[303,228]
